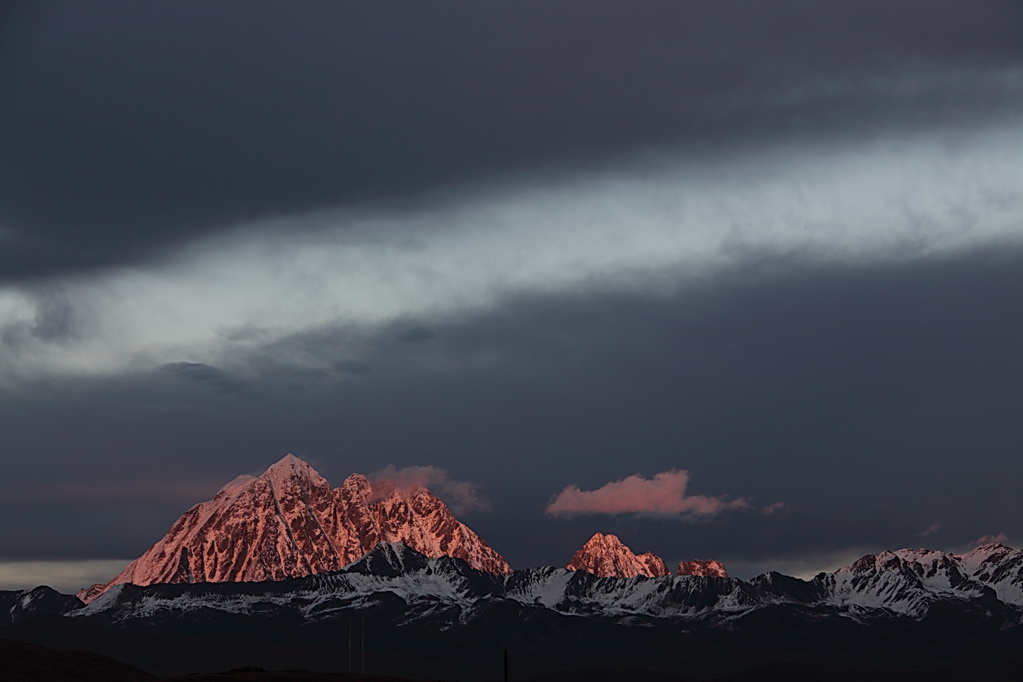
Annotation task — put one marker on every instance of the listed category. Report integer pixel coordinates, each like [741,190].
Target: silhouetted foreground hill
[29,663]
[20,662]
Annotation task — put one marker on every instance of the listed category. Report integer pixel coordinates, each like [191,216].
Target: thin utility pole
[363,645]
[505,665]
[349,644]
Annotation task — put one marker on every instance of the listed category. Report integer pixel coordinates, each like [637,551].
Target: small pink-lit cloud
[1000,538]
[461,496]
[662,495]
[930,530]
[773,508]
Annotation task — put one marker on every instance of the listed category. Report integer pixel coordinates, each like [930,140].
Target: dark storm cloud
[775,245]
[876,401]
[126,127]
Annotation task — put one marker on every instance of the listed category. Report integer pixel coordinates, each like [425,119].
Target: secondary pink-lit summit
[711,568]
[606,556]
[288,523]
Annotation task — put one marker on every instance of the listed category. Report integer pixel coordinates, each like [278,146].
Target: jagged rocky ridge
[986,583]
[711,568]
[289,523]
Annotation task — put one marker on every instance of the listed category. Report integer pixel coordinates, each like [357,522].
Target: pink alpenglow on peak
[288,523]
[711,568]
[605,556]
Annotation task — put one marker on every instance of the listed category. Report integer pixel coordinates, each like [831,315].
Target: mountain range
[987,582]
[439,617]
[289,523]
[281,564]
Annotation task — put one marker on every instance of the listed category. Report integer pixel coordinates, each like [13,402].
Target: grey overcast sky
[738,279]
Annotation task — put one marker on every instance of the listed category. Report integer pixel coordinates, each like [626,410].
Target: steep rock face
[998,567]
[289,523]
[606,556]
[711,568]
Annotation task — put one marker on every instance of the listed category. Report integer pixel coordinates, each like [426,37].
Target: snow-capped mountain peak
[290,470]
[909,580]
[288,523]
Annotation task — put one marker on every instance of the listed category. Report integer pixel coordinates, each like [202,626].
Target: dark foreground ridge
[29,663]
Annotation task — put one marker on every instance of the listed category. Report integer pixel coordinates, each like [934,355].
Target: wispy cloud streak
[640,229]
[67,576]
[999,538]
